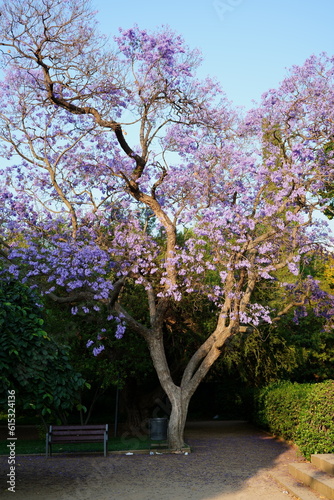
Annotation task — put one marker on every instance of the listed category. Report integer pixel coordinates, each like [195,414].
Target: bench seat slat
[58,439]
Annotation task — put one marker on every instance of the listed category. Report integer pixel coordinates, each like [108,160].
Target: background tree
[124,365]
[68,99]
[31,363]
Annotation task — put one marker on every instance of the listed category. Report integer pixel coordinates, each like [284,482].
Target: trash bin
[158,429]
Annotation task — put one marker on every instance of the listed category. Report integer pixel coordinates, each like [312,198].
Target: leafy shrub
[31,363]
[303,413]
[279,406]
[315,433]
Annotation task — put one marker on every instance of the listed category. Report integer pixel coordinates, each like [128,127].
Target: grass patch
[24,447]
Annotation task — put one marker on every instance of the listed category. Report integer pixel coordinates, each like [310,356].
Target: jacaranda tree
[114,150]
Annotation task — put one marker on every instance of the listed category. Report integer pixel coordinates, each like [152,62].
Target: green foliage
[31,363]
[259,357]
[315,432]
[119,362]
[313,346]
[303,413]
[120,359]
[286,350]
[278,407]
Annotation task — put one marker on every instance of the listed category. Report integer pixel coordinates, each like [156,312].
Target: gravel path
[229,460]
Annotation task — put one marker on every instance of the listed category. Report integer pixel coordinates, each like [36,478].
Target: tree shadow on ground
[225,457]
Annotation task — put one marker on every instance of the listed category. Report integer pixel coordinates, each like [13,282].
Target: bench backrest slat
[78,427]
[77,433]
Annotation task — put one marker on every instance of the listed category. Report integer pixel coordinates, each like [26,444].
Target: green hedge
[315,432]
[303,413]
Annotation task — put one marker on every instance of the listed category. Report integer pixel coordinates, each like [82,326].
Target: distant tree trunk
[85,417]
[131,403]
[138,405]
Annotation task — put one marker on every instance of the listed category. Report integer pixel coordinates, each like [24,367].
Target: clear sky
[247,44]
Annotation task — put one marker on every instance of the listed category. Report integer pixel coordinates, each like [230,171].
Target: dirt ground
[228,461]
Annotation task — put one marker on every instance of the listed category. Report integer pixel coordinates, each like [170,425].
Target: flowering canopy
[101,141]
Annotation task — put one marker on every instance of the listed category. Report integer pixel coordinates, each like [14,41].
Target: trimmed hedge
[303,413]
[315,432]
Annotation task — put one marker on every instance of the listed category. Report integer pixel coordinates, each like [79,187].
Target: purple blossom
[98,350]
[120,330]
[244,210]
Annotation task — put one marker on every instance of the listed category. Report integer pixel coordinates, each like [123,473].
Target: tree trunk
[179,399]
[196,370]
[177,419]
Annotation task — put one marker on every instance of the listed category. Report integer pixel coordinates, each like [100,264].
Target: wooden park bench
[76,434]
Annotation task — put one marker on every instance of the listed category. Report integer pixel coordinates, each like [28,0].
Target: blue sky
[247,44]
